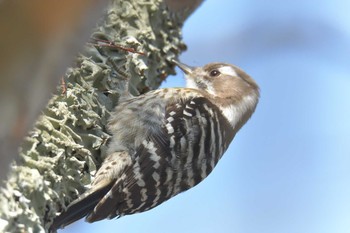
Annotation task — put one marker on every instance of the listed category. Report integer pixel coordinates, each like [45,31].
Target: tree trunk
[59,157]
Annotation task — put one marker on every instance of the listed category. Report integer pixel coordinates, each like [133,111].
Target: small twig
[63,86]
[118,70]
[111,44]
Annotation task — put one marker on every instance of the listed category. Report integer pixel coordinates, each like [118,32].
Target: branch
[62,152]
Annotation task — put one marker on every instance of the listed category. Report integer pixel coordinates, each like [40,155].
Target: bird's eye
[214,73]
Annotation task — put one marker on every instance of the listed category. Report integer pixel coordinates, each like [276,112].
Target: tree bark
[59,157]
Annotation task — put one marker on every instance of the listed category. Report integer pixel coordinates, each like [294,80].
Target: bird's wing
[170,161]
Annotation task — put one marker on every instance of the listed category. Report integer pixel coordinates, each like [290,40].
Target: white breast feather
[190,83]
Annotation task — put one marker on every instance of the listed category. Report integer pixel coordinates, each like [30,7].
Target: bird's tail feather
[79,208]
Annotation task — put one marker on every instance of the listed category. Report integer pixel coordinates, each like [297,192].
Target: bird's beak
[185,68]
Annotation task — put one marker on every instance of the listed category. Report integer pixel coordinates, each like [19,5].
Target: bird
[165,142]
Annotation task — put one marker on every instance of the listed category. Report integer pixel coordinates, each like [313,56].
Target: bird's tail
[80,207]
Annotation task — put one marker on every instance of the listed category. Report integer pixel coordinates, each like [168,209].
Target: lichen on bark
[62,152]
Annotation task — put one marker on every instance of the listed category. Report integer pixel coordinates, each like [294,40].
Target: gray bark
[62,152]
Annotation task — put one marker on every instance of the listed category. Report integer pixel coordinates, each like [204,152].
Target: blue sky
[288,169]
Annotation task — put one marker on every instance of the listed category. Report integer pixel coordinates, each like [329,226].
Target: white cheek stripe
[228,70]
[234,113]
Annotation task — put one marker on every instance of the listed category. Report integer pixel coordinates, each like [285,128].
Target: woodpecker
[166,141]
